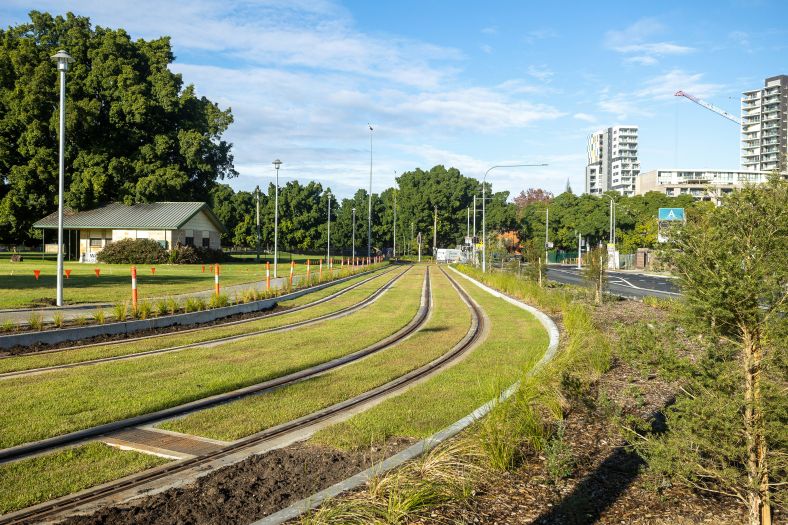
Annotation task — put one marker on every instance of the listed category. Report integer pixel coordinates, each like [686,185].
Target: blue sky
[460,83]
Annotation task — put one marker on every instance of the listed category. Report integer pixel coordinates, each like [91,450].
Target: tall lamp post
[369,211]
[328,244]
[484,208]
[62,59]
[354,235]
[276,164]
[395,216]
[612,237]
[257,215]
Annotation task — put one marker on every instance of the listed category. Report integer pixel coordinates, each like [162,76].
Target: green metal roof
[149,216]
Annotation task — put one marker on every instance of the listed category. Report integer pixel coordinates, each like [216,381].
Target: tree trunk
[757,472]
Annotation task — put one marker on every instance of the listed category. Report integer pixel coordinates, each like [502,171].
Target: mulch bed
[246,491]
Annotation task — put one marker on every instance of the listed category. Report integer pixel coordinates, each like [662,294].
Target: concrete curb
[425,445]
[51,337]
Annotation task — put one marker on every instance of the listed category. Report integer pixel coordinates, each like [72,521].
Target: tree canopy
[134,132]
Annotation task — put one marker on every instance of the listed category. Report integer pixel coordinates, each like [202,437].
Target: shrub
[181,254]
[560,460]
[133,251]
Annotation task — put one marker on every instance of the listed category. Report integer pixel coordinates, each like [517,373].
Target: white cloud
[637,39]
[584,117]
[543,73]
[490,30]
[487,48]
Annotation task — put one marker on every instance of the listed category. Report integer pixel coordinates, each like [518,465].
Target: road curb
[50,337]
[425,445]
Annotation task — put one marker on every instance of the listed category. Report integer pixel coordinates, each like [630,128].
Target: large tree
[134,132]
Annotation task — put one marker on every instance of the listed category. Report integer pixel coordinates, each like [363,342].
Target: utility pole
[435,234]
[579,251]
[419,243]
[410,245]
[473,251]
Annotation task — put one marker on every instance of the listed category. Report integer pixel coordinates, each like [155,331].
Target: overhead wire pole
[276,164]
[257,221]
[395,215]
[328,244]
[369,211]
[484,215]
[473,249]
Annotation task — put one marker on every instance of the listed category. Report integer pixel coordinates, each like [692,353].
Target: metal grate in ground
[145,439]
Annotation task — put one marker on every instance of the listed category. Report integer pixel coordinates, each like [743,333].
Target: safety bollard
[292,268]
[320,273]
[216,279]
[307,270]
[97,271]
[153,270]
[68,274]
[267,276]
[37,273]
[134,287]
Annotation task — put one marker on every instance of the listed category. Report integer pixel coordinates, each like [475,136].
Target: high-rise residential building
[764,126]
[613,160]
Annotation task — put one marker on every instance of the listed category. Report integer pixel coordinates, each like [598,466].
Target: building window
[95,243]
[189,241]
[206,242]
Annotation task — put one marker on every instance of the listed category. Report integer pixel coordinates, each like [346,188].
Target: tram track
[476,332]
[235,337]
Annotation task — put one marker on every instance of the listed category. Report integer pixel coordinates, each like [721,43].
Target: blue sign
[671,214]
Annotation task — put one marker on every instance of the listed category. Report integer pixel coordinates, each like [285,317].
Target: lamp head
[277,163]
[62,59]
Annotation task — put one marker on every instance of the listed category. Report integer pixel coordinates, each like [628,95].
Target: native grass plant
[57,320]
[161,307]
[143,310]
[192,304]
[120,311]
[99,316]
[81,320]
[35,321]
[172,306]
[448,473]
[218,301]
[8,326]
[661,303]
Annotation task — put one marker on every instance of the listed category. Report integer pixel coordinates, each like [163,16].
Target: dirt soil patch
[246,491]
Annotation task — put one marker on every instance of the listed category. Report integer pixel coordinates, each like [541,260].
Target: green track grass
[43,478]
[515,343]
[34,360]
[45,405]
[448,323]
[23,290]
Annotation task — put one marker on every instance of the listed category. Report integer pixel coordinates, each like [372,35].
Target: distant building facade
[706,185]
[613,160]
[764,126]
[168,223]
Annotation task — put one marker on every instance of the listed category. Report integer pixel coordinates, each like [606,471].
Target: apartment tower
[764,126]
[613,160]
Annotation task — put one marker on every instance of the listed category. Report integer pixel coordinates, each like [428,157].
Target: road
[625,284]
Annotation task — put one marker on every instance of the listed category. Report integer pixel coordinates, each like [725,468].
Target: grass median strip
[448,324]
[62,401]
[42,478]
[31,361]
[516,341]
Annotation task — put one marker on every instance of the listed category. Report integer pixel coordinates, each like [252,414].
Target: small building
[170,223]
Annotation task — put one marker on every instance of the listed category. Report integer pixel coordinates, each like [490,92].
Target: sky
[459,83]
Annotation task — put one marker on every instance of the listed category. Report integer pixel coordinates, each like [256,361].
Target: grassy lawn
[30,361]
[515,343]
[43,478]
[20,288]
[448,323]
[45,405]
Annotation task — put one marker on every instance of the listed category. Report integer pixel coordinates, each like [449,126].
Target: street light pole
[395,219]
[435,235]
[612,237]
[473,250]
[257,215]
[484,214]
[328,244]
[546,234]
[276,164]
[369,211]
[354,235]
[62,59]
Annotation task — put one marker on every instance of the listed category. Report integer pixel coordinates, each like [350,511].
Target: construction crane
[708,106]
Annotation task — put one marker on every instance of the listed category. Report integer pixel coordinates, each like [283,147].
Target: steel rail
[229,338]
[473,335]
